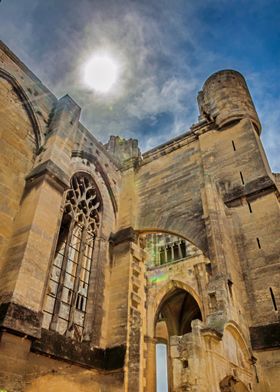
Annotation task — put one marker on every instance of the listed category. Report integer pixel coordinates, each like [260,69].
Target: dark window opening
[233,145]
[162,256]
[69,296]
[213,301]
[176,252]
[183,249]
[230,284]
[258,242]
[185,364]
[209,268]
[169,254]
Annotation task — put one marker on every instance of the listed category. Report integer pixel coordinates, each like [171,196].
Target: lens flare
[157,278]
[101,72]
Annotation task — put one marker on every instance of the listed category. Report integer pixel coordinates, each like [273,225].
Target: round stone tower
[225,98]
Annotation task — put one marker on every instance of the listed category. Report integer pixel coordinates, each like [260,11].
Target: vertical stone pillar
[127,305]
[93,320]
[180,250]
[134,381]
[165,254]
[172,251]
[36,225]
[62,131]
[30,255]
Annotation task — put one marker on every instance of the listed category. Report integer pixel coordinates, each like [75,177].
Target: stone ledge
[253,189]
[62,347]
[20,320]
[265,336]
[211,332]
[50,169]
[124,235]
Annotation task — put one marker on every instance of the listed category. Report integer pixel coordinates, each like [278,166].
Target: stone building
[108,254]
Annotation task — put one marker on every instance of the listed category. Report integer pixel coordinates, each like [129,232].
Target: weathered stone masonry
[184,250]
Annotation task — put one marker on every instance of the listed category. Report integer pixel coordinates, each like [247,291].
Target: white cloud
[163,62]
[268,107]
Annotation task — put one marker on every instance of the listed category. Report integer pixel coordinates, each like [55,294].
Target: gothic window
[164,248]
[67,293]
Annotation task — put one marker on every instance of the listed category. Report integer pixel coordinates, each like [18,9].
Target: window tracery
[67,293]
[164,248]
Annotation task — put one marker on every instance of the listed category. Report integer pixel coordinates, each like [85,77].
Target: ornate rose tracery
[82,203]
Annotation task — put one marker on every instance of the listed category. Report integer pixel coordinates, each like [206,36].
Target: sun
[101,72]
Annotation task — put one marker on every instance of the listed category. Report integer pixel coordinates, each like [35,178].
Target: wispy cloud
[268,107]
[165,49]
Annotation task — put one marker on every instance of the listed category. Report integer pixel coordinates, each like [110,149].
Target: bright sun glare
[100,73]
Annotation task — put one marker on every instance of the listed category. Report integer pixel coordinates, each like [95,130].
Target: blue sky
[166,50]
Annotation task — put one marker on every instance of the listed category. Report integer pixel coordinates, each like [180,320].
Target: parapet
[123,150]
[225,98]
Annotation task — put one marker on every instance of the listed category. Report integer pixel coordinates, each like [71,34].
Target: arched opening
[178,309]
[175,314]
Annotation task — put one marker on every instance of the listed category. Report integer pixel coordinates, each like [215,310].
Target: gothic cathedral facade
[108,254]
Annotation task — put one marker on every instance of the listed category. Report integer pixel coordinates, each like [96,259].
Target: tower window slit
[242,179]
[259,243]
[233,145]
[230,284]
[273,298]
[250,207]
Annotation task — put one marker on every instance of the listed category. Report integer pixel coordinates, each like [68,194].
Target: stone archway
[175,313]
[178,309]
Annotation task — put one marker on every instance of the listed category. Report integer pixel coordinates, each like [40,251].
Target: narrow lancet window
[67,293]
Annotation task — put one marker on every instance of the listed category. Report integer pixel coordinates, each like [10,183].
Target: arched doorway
[175,314]
[178,309]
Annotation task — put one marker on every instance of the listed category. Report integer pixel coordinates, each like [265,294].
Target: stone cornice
[59,346]
[20,320]
[178,142]
[52,172]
